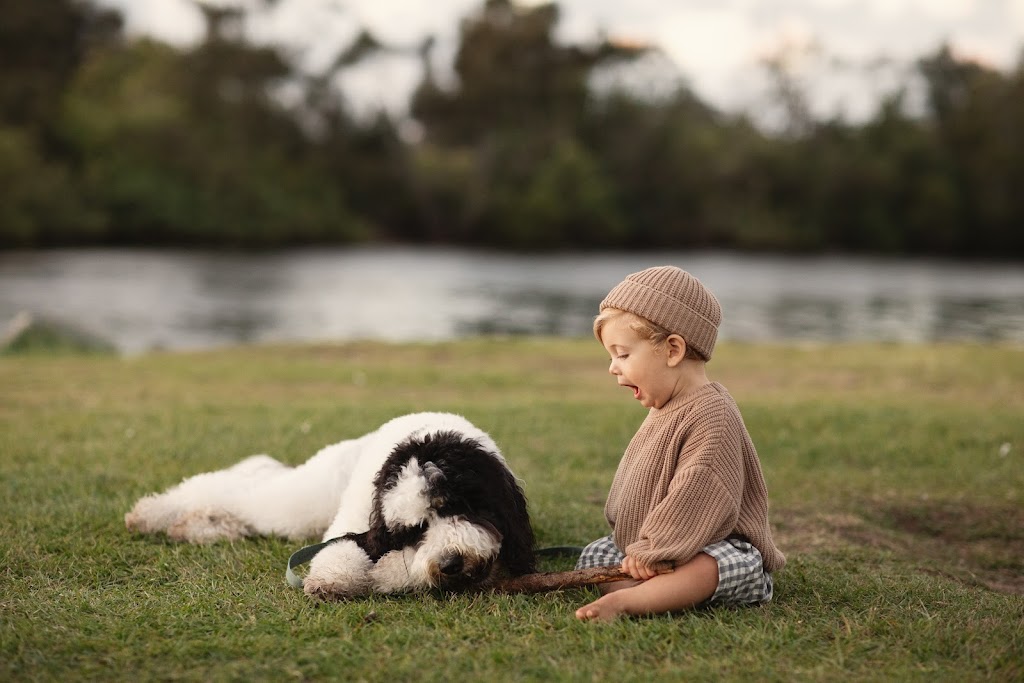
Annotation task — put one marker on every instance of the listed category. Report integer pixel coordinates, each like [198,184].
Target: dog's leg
[198,509]
[209,526]
[256,497]
[391,573]
[300,502]
[339,571]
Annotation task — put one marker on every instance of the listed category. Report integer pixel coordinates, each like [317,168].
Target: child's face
[637,364]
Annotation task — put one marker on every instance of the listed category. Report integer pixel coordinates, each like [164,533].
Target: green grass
[894,496]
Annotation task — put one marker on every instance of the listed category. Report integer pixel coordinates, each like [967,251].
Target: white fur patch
[341,570]
[407,502]
[451,536]
[208,526]
[391,572]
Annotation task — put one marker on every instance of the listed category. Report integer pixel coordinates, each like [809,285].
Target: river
[157,299]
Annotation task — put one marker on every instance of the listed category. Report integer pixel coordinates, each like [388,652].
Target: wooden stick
[552,581]
[543,582]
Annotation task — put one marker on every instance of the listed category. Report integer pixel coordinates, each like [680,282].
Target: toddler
[688,506]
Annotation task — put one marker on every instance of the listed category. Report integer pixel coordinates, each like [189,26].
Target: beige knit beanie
[673,299]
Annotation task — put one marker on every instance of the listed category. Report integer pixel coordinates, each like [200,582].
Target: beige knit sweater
[690,477]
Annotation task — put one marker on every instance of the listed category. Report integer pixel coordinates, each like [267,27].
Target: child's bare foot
[605,608]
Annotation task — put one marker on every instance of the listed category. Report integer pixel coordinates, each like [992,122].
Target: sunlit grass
[894,473]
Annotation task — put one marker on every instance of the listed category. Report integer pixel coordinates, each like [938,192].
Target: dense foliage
[105,140]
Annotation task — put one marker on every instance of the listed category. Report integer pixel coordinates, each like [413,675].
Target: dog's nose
[451,565]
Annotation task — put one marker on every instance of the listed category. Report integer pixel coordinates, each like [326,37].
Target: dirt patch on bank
[978,545]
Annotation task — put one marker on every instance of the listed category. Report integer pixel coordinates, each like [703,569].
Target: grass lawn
[896,475]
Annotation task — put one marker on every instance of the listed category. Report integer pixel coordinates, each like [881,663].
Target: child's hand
[642,572]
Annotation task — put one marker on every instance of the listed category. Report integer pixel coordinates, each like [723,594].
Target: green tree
[567,202]
[40,203]
[677,167]
[42,46]
[512,122]
[976,113]
[191,147]
[511,75]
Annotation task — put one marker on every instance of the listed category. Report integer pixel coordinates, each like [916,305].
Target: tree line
[111,141]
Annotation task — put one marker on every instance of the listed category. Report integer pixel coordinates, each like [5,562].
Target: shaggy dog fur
[425,501]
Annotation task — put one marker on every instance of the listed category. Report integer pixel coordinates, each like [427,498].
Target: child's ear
[676,347]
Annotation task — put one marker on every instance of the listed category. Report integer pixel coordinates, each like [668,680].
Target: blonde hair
[644,329]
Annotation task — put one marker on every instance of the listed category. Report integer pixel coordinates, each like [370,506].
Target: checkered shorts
[741,578]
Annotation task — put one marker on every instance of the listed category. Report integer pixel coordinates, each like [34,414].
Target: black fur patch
[466,480]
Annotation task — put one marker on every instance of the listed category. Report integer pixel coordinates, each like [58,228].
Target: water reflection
[152,299]
[532,311]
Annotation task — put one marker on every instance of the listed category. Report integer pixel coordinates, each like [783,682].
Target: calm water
[144,300]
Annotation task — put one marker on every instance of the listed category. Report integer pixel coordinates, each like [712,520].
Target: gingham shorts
[741,576]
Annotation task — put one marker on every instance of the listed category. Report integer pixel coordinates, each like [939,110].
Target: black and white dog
[425,501]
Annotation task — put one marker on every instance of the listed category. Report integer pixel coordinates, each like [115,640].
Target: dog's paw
[208,526]
[338,572]
[393,573]
[150,514]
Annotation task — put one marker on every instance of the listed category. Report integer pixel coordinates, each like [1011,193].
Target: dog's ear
[377,538]
[435,479]
[432,473]
[517,544]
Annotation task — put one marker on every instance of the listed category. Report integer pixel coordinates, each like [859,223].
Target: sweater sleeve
[702,504]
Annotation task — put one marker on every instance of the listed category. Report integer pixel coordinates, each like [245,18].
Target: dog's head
[457,505]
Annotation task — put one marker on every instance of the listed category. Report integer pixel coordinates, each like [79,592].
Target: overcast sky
[715,45]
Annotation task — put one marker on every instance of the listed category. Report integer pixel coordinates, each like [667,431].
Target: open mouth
[634,389]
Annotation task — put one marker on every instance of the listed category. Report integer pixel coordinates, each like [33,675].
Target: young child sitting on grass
[688,505]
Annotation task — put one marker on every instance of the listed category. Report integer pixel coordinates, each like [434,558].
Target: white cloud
[947,10]
[829,4]
[178,22]
[1015,8]
[708,39]
[405,22]
[313,30]
[385,82]
[710,44]
[976,47]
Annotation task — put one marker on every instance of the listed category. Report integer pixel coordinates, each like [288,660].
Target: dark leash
[303,556]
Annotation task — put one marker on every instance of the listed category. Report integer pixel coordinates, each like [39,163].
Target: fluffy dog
[425,501]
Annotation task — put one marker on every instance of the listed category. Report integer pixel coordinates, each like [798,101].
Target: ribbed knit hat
[673,299]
